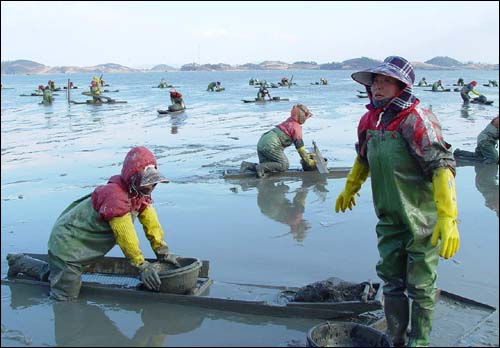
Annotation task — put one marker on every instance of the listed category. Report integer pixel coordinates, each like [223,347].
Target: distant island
[27,67]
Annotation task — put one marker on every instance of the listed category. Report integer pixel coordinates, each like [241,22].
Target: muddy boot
[421,326]
[20,263]
[259,171]
[397,315]
[262,168]
[247,166]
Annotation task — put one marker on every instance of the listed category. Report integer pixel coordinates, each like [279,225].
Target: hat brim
[153,178]
[365,77]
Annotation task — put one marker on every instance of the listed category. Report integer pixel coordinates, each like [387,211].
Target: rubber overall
[403,199]
[270,150]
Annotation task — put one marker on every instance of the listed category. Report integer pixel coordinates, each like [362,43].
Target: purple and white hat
[393,66]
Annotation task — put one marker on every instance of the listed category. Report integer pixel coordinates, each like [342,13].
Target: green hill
[22,66]
[360,63]
[444,62]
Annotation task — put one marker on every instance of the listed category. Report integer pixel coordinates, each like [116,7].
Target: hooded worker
[412,177]
[92,225]
[272,144]
[177,101]
[468,88]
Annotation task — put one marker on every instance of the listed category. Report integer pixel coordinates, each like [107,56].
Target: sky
[143,34]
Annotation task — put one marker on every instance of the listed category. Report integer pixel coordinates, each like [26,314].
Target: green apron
[78,237]
[404,204]
[79,234]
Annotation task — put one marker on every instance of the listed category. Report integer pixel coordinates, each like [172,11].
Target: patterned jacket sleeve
[423,133]
[362,138]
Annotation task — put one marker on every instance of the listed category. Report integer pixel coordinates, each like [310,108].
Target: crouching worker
[177,101]
[271,145]
[92,225]
[47,96]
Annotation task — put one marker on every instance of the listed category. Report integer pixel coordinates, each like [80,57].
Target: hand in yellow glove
[356,177]
[443,184]
[306,156]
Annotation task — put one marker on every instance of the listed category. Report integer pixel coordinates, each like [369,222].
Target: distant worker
[436,85]
[464,93]
[284,81]
[163,84]
[51,85]
[460,82]
[95,91]
[485,151]
[99,81]
[271,145]
[422,82]
[177,101]
[492,83]
[263,92]
[262,83]
[214,86]
[47,95]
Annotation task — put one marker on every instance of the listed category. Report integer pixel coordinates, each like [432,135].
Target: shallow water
[251,231]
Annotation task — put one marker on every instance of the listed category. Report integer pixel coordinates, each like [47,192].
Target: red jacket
[419,128]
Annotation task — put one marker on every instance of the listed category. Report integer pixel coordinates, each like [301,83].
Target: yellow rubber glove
[152,228]
[356,177]
[445,197]
[306,157]
[126,238]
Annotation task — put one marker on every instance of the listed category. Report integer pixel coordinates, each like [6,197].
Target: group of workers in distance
[47,97]
[464,91]
[399,144]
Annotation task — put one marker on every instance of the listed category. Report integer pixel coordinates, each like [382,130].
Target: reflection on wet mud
[487,184]
[465,111]
[176,122]
[91,320]
[85,323]
[273,201]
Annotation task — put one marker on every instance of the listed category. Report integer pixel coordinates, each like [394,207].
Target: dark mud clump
[329,290]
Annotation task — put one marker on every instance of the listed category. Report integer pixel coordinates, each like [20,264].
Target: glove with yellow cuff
[356,177]
[306,156]
[443,184]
